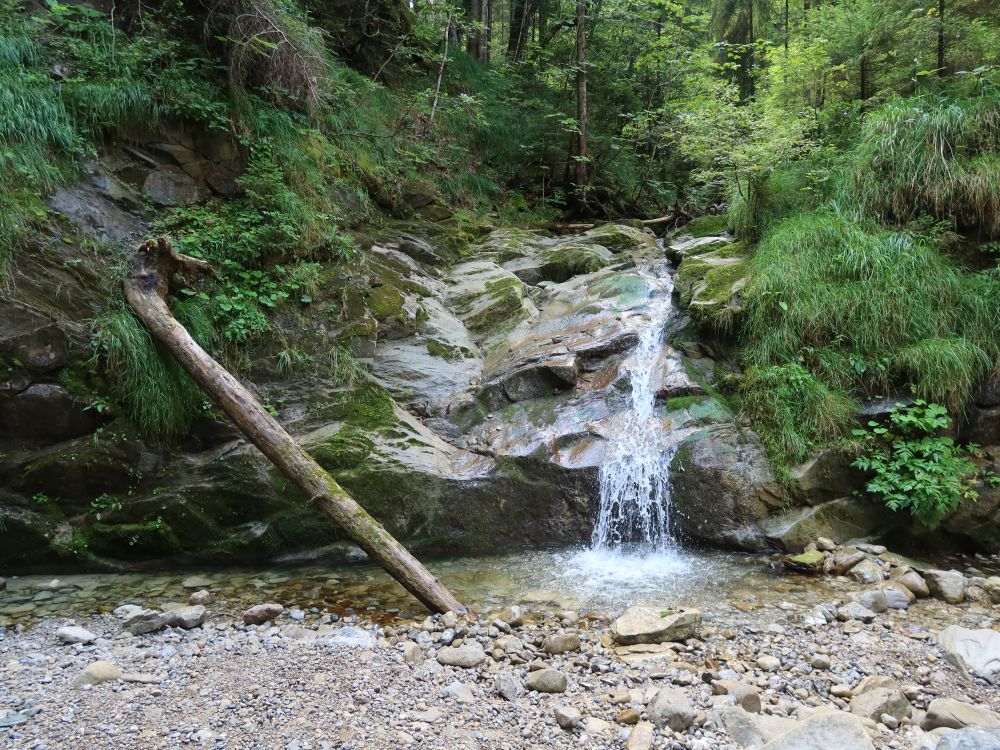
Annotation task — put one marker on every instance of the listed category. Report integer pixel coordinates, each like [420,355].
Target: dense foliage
[853,146]
[915,467]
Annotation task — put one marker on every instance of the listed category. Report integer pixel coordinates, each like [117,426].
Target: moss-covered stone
[568,260]
[369,406]
[134,541]
[445,351]
[706,226]
[679,403]
[345,450]
[709,284]
[385,303]
[619,237]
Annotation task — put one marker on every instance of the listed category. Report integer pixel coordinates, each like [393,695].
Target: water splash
[634,477]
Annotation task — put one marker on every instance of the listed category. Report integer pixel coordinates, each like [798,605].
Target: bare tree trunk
[156,271]
[474,43]
[488,35]
[581,99]
[520,22]
[786,28]
[437,87]
[940,39]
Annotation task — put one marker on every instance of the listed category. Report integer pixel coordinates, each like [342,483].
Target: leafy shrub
[763,201]
[914,467]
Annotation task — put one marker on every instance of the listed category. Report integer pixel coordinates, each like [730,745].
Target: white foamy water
[633,556]
[635,475]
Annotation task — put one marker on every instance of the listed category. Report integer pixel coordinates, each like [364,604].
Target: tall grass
[158,397]
[757,205]
[868,308]
[935,153]
[793,410]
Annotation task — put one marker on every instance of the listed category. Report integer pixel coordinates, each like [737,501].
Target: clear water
[586,579]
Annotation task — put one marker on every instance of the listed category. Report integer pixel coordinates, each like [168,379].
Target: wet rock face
[723,489]
[45,413]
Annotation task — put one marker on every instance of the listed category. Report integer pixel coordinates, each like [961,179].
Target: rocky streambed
[892,658]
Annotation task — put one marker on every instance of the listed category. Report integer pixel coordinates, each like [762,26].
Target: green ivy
[916,468]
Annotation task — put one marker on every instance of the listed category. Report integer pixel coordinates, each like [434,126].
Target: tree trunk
[786,28]
[940,39]
[488,19]
[520,17]
[581,99]
[474,43]
[155,273]
[437,88]
[863,74]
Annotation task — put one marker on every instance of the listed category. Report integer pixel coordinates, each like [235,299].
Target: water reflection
[582,579]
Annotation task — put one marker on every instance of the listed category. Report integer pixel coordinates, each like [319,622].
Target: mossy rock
[683,403]
[132,541]
[349,448]
[710,285]
[510,243]
[810,563]
[562,263]
[711,225]
[448,352]
[618,238]
[369,407]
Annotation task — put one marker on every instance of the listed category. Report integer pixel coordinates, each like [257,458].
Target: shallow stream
[724,585]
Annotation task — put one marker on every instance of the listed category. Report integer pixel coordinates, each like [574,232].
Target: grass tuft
[155,393]
[936,154]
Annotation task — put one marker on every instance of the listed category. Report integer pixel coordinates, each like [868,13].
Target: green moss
[385,302]
[152,538]
[706,226]
[505,307]
[566,261]
[683,402]
[445,351]
[346,450]
[709,285]
[618,237]
[369,406]
[720,283]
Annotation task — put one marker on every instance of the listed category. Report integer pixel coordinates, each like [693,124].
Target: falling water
[633,557]
[634,478]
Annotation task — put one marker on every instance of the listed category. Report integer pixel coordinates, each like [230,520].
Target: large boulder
[670,708]
[710,280]
[975,650]
[946,712]
[872,704]
[971,738]
[830,731]
[947,585]
[979,522]
[841,520]
[723,489]
[645,625]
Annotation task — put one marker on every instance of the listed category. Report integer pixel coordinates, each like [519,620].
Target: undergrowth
[936,153]
[158,396]
[914,467]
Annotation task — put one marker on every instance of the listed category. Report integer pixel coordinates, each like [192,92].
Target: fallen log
[662,220]
[156,273]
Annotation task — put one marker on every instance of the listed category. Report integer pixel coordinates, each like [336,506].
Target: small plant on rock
[916,468]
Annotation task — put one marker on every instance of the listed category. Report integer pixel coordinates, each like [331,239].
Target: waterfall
[634,477]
